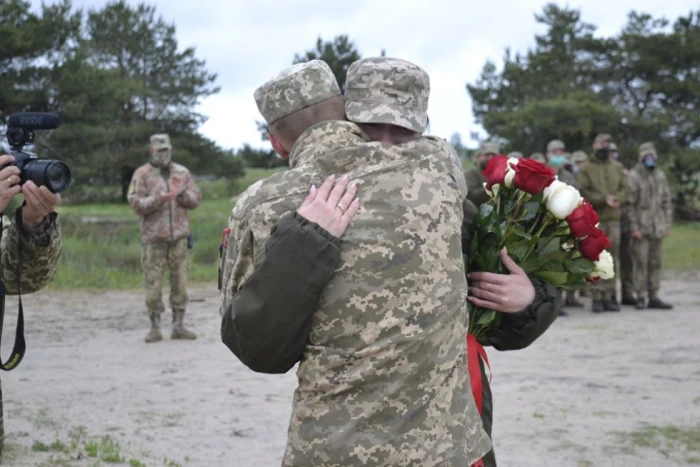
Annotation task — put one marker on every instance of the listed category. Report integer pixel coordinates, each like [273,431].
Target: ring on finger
[488,287]
[9,179]
[340,207]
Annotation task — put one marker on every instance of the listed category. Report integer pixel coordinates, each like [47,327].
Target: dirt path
[618,389]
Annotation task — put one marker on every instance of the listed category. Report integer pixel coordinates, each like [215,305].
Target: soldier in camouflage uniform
[602,183]
[370,340]
[162,193]
[578,160]
[475,180]
[650,214]
[626,252]
[39,233]
[516,154]
[614,155]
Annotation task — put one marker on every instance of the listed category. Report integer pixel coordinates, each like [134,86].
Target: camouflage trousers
[626,262]
[647,266]
[154,258]
[605,290]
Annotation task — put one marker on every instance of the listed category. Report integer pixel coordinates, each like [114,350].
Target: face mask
[557,161]
[482,165]
[161,159]
[649,161]
[602,154]
[575,169]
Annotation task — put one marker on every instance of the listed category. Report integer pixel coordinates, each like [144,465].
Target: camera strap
[20,345]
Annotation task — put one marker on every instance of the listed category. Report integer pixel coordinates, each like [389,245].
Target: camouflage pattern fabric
[296,88]
[155,257]
[162,221]
[383,380]
[387,90]
[626,255]
[566,176]
[600,178]
[650,212]
[41,250]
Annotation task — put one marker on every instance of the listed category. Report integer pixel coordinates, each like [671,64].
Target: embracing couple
[351,263]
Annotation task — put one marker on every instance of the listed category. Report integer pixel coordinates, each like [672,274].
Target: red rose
[495,171]
[583,220]
[591,280]
[593,245]
[532,176]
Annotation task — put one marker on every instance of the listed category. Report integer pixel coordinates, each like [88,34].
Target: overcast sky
[248,41]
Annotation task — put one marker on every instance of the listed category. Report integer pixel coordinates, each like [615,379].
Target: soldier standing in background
[516,154]
[626,252]
[578,159]
[650,214]
[602,183]
[475,181]
[539,157]
[161,193]
[614,155]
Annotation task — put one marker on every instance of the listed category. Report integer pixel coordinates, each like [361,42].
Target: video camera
[53,174]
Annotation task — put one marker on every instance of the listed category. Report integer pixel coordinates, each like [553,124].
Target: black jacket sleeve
[519,330]
[269,321]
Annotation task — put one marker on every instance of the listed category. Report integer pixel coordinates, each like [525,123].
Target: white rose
[561,199]
[488,192]
[604,267]
[510,173]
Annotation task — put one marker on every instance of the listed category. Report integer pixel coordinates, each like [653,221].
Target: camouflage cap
[579,156]
[387,90]
[555,145]
[602,138]
[488,147]
[647,148]
[160,141]
[613,147]
[296,88]
[539,157]
[516,154]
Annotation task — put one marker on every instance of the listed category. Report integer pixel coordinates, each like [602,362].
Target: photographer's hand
[9,181]
[40,202]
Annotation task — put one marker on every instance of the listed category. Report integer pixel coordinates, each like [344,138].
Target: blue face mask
[649,161]
[576,168]
[557,161]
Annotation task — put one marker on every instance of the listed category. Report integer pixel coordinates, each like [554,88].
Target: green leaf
[530,211]
[532,264]
[548,245]
[555,278]
[580,266]
[485,317]
[520,232]
[518,250]
[485,210]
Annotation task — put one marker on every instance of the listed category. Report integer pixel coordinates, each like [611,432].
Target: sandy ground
[574,398]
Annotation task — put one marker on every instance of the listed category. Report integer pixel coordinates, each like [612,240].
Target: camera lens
[55,175]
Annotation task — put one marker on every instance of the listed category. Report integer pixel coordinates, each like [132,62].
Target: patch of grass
[136,463]
[106,449]
[11,452]
[56,446]
[670,441]
[170,463]
[538,415]
[681,250]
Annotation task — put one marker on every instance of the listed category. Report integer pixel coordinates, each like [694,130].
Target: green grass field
[102,249]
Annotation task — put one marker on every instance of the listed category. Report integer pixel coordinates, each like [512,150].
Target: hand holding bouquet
[549,230]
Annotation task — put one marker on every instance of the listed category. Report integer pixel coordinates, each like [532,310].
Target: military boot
[657,304]
[571,299]
[640,304]
[611,305]
[179,330]
[154,334]
[597,306]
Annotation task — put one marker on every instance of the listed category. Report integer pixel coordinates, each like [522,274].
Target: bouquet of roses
[546,226]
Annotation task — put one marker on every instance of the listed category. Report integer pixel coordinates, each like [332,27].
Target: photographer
[36,230]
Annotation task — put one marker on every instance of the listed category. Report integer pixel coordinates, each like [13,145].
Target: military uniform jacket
[383,377]
[599,178]
[162,221]
[477,192]
[41,251]
[649,208]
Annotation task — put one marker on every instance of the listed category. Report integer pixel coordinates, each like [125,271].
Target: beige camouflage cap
[160,141]
[579,156]
[555,144]
[539,157]
[647,148]
[489,148]
[296,88]
[602,138]
[387,90]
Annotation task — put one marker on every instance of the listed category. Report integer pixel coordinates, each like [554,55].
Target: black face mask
[649,162]
[603,154]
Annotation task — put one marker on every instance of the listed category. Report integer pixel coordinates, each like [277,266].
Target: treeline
[642,84]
